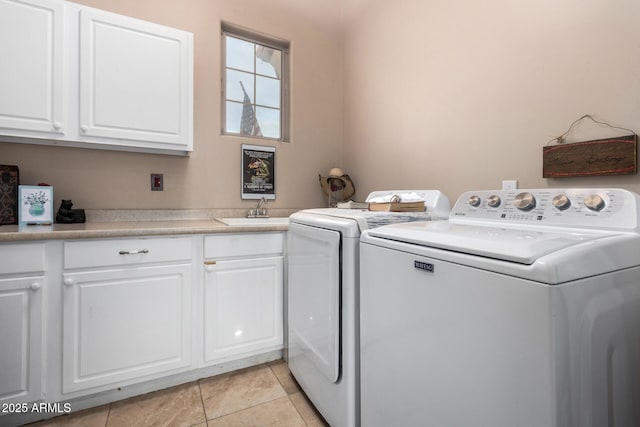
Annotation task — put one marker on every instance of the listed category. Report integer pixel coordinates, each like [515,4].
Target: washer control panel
[606,208]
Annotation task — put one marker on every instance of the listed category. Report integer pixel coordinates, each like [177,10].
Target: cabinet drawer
[105,253]
[245,244]
[22,258]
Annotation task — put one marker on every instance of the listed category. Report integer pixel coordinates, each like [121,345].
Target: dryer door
[314,300]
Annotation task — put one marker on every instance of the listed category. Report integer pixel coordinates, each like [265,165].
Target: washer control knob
[561,202]
[494,201]
[525,201]
[594,202]
[474,201]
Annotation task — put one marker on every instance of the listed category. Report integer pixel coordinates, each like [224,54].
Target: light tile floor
[264,395]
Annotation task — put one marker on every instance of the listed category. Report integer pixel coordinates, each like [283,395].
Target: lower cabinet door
[243,308]
[21,338]
[120,326]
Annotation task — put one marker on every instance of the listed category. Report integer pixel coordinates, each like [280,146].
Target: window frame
[283,46]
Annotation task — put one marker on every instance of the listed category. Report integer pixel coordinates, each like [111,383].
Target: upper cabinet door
[31,75]
[136,80]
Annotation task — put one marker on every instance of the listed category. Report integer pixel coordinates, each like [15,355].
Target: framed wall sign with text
[258,172]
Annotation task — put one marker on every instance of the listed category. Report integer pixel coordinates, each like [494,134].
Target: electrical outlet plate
[157,182]
[509,185]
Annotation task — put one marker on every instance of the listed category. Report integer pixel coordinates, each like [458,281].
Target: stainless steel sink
[255,221]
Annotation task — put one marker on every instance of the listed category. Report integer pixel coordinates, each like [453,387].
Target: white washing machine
[522,310]
[323,266]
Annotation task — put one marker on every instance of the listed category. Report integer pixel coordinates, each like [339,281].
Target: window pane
[234,89]
[269,61]
[234,117]
[268,92]
[255,68]
[240,54]
[269,120]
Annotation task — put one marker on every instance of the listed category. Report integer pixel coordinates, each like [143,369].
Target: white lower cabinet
[22,283]
[21,339]
[243,295]
[122,316]
[122,325]
[243,307]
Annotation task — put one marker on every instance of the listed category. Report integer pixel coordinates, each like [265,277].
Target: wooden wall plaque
[611,156]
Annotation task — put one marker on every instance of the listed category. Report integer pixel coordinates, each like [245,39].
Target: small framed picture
[35,204]
[258,172]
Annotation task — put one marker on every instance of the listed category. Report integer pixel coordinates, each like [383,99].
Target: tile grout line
[204,410]
[106,423]
[297,410]
[289,397]
[258,404]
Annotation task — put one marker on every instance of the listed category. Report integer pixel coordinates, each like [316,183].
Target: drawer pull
[142,251]
[209,266]
[68,282]
[35,286]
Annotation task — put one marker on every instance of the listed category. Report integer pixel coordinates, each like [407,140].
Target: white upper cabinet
[31,76]
[78,76]
[135,80]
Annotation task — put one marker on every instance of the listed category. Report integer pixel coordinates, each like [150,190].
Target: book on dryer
[397,206]
[397,202]
[352,204]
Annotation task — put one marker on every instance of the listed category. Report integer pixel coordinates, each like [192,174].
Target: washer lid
[520,245]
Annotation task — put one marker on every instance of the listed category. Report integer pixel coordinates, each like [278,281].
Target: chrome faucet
[259,211]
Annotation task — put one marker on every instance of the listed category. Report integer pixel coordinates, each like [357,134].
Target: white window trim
[269,41]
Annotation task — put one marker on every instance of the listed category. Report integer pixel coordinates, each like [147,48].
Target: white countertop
[126,228]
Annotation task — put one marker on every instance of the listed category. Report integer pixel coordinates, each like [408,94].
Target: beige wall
[459,95]
[210,177]
[454,95]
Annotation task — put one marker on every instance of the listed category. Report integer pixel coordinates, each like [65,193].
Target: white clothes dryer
[322,313]
[522,310]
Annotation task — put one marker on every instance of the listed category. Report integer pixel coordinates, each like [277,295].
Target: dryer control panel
[602,208]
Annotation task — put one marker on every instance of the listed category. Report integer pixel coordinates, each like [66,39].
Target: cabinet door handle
[208,266]
[35,286]
[142,251]
[57,125]
[84,128]
[68,281]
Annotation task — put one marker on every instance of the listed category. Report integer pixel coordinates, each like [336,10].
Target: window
[255,85]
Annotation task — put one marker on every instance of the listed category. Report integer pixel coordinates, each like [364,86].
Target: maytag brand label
[423,266]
